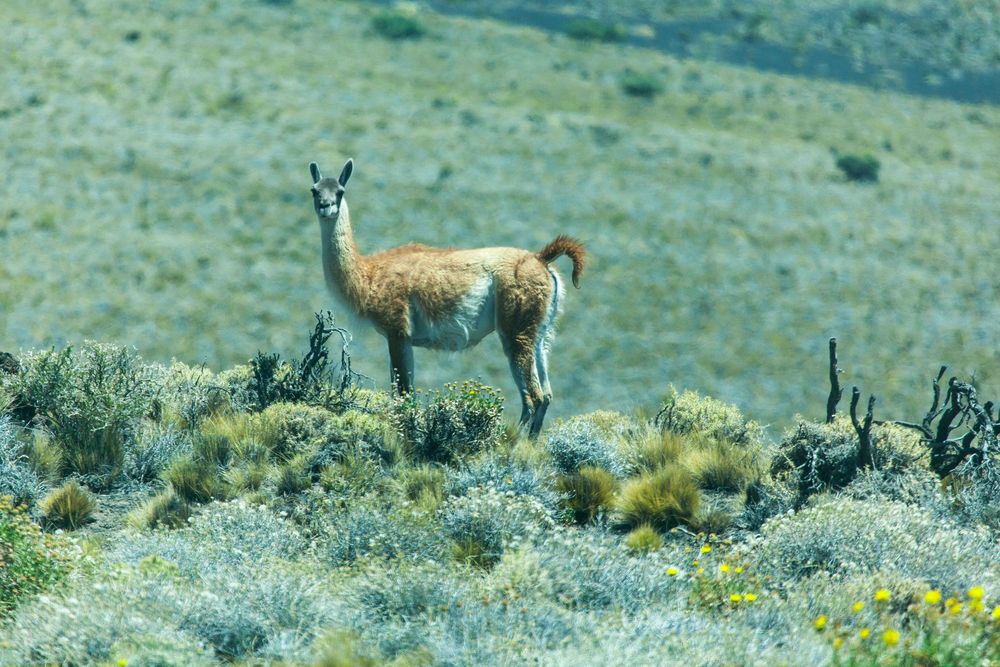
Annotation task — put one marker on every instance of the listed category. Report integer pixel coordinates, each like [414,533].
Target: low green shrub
[662,499]
[861,168]
[424,484]
[397,26]
[593,30]
[588,492]
[688,412]
[639,84]
[68,506]
[91,400]
[482,523]
[452,424]
[293,476]
[580,442]
[31,561]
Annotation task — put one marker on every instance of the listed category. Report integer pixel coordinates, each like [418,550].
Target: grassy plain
[155,194]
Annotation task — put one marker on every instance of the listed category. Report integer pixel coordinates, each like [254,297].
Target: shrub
[212,448]
[588,492]
[148,457]
[290,428]
[592,30]
[32,561]
[191,394]
[407,591]
[398,26]
[691,413]
[816,457]
[504,474]
[195,480]
[482,523]
[662,499]
[578,442]
[17,478]
[458,422]
[166,509]
[69,506]
[643,538]
[840,535]
[355,433]
[362,530]
[637,84]
[92,400]
[861,168]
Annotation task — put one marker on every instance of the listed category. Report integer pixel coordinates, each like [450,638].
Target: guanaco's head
[328,193]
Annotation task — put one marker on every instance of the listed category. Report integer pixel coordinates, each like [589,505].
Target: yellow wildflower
[672,571]
[956,608]
[838,642]
[996,613]
[975,606]
[857,606]
[723,568]
[705,548]
[695,563]
[750,597]
[820,622]
[890,637]
[864,633]
[737,569]
[951,602]
[932,596]
[976,593]
[735,597]
[882,595]
[700,570]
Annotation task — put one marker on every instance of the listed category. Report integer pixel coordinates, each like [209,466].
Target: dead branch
[835,391]
[866,454]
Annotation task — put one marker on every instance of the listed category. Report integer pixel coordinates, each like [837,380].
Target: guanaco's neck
[342,264]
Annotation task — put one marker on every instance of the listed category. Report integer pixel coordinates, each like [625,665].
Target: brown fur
[440,283]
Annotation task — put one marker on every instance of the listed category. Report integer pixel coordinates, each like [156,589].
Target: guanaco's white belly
[469,323]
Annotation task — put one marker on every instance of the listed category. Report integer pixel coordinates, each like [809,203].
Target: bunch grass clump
[69,506]
[664,498]
[196,480]
[166,509]
[644,538]
[588,492]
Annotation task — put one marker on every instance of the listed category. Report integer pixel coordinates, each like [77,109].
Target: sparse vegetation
[639,84]
[276,512]
[862,168]
[397,26]
[594,30]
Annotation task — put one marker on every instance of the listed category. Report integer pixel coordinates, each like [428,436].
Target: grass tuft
[70,506]
[589,491]
[644,538]
[662,499]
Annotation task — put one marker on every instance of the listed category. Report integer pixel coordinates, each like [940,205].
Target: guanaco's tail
[565,245]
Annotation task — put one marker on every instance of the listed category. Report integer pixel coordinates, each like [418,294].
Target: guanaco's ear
[314,170]
[346,173]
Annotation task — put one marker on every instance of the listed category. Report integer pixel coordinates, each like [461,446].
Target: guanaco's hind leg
[521,357]
[401,364]
[542,368]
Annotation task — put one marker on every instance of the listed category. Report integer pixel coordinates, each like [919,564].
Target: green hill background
[155,193]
